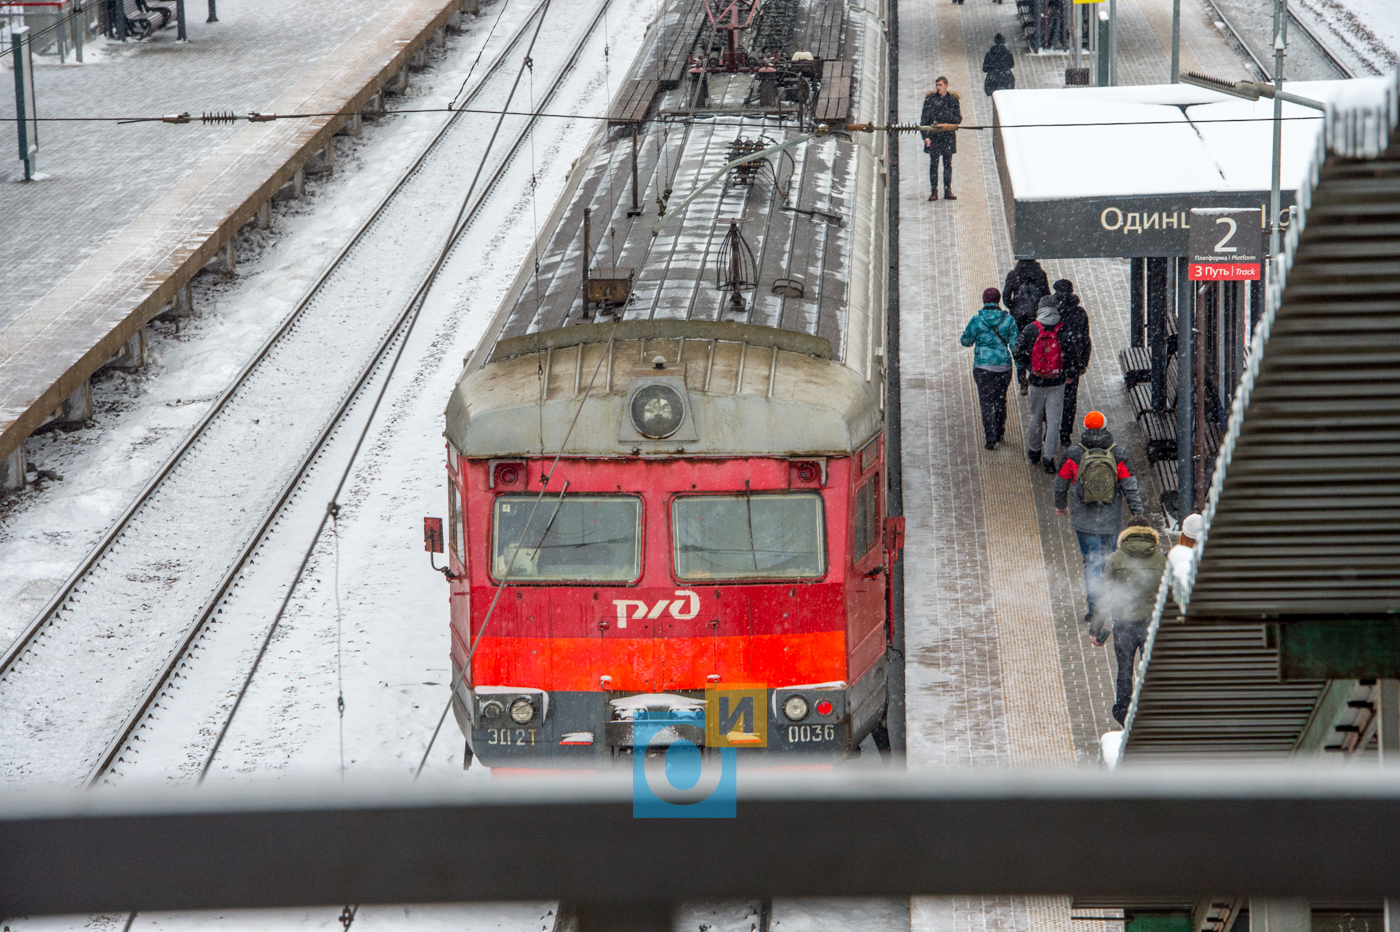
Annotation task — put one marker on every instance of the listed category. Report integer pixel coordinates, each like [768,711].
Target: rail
[169,671]
[1259,63]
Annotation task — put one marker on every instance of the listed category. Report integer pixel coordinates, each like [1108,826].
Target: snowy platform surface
[128,214]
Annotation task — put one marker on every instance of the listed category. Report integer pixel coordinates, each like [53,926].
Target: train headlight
[795,708]
[522,710]
[657,411]
[492,710]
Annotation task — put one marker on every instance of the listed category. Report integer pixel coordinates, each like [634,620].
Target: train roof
[808,223]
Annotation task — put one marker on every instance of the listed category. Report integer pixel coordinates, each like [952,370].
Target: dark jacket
[1074,335]
[945,109]
[1096,517]
[997,65]
[1048,317]
[1026,284]
[993,332]
[1132,575]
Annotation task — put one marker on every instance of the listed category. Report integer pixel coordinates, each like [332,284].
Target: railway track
[1263,63]
[78,683]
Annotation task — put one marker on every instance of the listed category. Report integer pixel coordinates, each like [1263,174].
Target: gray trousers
[1047,406]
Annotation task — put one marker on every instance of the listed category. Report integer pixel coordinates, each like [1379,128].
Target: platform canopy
[1115,171]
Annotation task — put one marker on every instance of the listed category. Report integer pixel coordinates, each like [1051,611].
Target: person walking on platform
[1025,285]
[943,111]
[1096,471]
[1038,349]
[992,331]
[997,65]
[1132,575]
[1078,348]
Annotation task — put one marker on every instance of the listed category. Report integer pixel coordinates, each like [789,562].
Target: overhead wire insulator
[219,116]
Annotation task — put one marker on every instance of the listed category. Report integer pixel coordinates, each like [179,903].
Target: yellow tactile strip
[1037,715]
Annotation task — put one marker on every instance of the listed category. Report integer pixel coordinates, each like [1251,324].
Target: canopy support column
[1137,323]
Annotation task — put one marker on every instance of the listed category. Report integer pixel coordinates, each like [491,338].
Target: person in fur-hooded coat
[1127,598]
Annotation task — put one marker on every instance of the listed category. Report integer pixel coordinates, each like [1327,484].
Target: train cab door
[865,631]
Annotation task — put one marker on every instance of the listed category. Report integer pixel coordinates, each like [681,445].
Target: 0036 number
[510,736]
[804,734]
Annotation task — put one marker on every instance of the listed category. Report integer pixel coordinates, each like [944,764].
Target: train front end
[638,523]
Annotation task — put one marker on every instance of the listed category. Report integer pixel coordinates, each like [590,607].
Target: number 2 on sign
[1220,246]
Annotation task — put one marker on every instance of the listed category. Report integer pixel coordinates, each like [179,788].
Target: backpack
[1098,477]
[1047,359]
[1025,303]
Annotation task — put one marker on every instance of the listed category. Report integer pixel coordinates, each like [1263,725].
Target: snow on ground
[142,416]
[1367,29]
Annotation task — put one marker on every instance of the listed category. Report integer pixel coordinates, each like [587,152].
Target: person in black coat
[997,65]
[1077,347]
[1026,284]
[943,110]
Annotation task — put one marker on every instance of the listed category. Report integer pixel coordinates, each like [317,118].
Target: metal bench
[1140,395]
[1136,365]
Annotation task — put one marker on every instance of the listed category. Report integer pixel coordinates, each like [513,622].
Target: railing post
[26,117]
[181,35]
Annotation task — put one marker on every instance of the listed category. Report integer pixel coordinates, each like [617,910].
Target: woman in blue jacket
[993,332]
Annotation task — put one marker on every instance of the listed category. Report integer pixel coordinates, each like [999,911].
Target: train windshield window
[749,536]
[578,537]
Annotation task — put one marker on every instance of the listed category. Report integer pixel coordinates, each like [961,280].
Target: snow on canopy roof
[1072,143]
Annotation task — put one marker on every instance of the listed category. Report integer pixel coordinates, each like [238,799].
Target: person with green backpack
[1096,471]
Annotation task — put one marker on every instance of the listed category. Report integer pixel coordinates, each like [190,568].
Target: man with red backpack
[1090,489]
[1038,350]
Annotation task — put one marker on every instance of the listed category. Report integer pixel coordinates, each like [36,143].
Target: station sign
[1227,245]
[1114,227]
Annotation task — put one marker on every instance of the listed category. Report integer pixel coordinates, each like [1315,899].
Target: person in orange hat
[1096,471]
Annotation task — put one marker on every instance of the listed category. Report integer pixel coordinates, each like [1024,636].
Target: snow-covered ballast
[1114,171]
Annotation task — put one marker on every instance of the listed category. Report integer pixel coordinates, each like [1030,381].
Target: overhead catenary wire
[700,117]
[339,650]
[479,52]
[510,567]
[416,304]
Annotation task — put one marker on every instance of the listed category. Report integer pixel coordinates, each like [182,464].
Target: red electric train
[666,459]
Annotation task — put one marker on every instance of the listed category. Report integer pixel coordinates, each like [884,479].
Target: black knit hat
[1064,286]
[999,39]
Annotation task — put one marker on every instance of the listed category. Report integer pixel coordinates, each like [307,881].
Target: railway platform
[1000,670]
[122,216]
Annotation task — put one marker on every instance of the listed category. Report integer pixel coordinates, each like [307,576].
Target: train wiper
[748,507]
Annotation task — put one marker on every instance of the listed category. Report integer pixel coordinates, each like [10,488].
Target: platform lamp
[1253,90]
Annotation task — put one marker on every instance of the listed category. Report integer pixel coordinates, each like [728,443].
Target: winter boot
[948,194]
